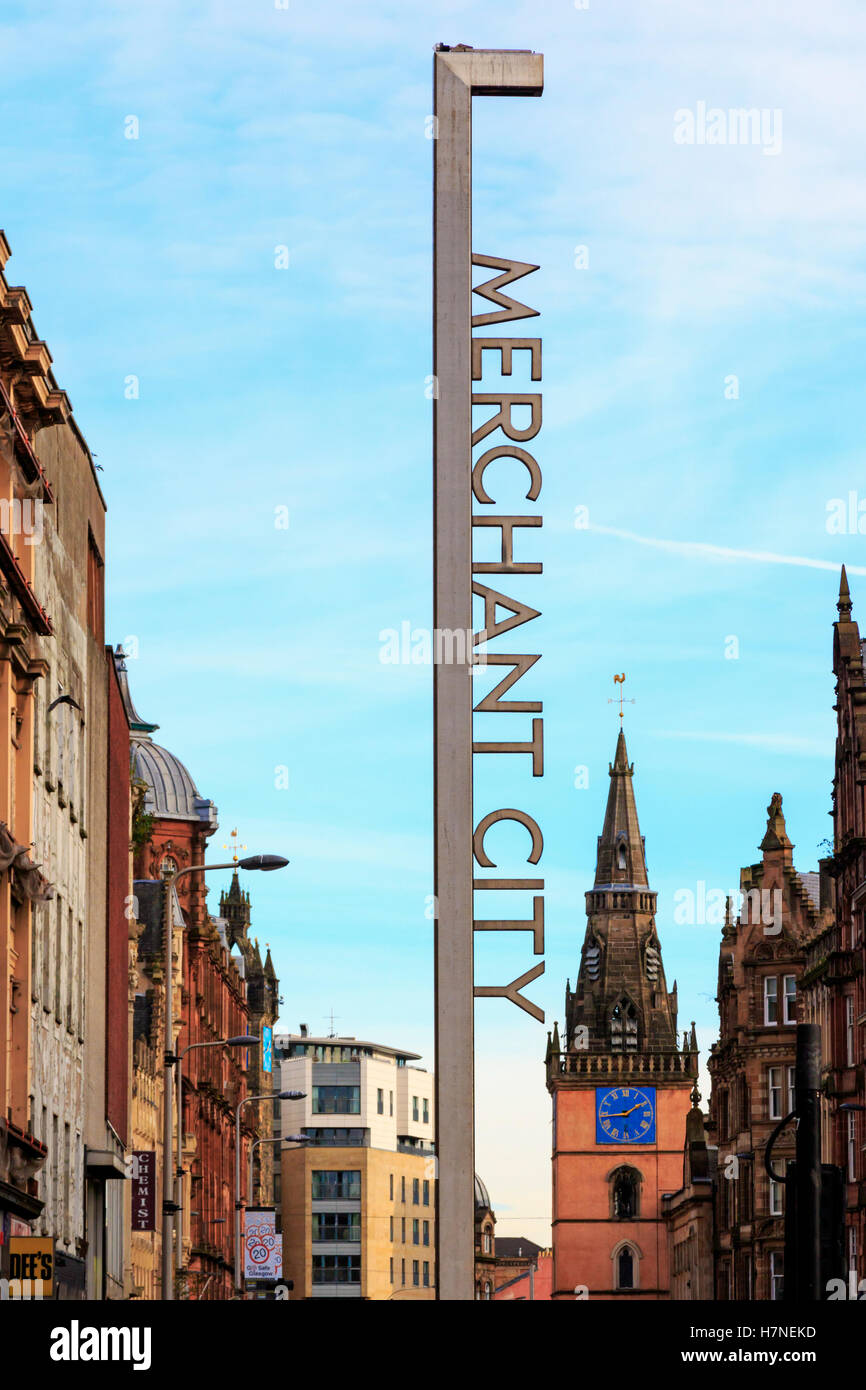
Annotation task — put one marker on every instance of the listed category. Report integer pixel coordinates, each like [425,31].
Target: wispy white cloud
[698,549]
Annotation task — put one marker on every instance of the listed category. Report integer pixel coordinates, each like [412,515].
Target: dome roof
[171,792]
[482,1198]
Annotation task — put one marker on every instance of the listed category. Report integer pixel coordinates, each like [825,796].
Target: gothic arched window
[623,1027]
[625,1268]
[626,1258]
[621,861]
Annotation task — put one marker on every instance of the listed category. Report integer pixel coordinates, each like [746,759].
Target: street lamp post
[239,1205]
[264,862]
[277,1139]
[179,1171]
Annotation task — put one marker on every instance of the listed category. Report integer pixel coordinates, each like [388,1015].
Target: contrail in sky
[724,552]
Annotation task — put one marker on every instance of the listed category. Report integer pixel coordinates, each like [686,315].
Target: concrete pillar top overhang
[496,72]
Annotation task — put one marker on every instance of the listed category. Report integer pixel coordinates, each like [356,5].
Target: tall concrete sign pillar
[458,75]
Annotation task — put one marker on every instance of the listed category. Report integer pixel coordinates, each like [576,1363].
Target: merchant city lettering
[503,612]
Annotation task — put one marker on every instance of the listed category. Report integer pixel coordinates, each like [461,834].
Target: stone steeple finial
[729,927]
[776,836]
[844,603]
[620,858]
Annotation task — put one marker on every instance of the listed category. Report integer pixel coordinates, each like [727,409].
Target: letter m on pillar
[492,290]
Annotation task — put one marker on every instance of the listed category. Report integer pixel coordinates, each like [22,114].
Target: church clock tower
[619,1080]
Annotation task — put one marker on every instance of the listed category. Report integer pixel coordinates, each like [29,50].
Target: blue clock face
[625,1114]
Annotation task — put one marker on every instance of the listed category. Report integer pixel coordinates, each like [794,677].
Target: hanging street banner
[143,1173]
[263,1248]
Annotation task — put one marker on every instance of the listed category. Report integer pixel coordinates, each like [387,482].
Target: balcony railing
[605,1065]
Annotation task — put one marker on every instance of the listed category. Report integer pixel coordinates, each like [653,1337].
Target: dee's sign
[31,1258]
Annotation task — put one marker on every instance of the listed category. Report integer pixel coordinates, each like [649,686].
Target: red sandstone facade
[834,977]
[221,975]
[752,1065]
[620,1043]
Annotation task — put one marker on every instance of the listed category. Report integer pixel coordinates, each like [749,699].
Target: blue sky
[259,388]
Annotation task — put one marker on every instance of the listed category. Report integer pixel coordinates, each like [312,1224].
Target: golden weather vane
[234,846]
[620,681]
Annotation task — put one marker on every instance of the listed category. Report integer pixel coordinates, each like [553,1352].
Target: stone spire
[844,604]
[235,908]
[621,1002]
[620,858]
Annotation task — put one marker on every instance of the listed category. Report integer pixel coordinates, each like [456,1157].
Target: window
[792,1072]
[392,1269]
[391,1227]
[95,588]
[790,999]
[852,1146]
[625,1268]
[336,1225]
[402,1189]
[426,1274]
[380,1102]
[774,1085]
[336,1269]
[426,1193]
[391,1187]
[415,1109]
[425,1114]
[416,1234]
[851,1056]
[425,1233]
[621,861]
[402,1274]
[403,1229]
[336,1100]
[777,1190]
[624,1194]
[416,1191]
[771,1000]
[415,1273]
[777,1274]
[623,1027]
[390,1102]
[58,962]
[745,1189]
[724,1127]
[328,1137]
[328,1186]
[487,1241]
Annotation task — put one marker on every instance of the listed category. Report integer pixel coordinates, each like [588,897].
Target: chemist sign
[263,1248]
